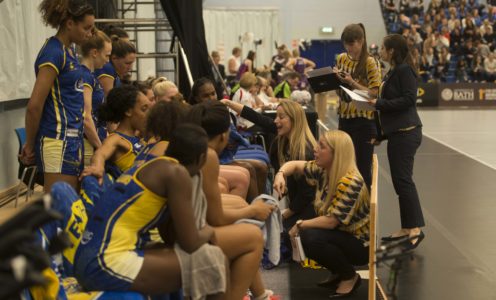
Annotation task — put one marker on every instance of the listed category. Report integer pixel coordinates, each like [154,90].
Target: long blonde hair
[300,135]
[343,162]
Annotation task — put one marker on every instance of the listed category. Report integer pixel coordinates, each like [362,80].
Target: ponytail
[353,33]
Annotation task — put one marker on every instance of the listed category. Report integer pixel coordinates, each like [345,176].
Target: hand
[261,209]
[280,183]
[375,142]
[95,171]
[372,101]
[27,155]
[287,213]
[225,102]
[294,231]
[345,77]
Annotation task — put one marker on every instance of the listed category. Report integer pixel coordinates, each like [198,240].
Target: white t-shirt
[246,98]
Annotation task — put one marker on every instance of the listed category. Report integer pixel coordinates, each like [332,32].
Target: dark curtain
[186,19]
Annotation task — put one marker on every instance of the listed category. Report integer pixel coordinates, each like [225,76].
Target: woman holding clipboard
[359,70]
[401,126]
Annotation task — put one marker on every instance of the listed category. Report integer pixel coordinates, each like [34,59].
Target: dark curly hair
[164,117]
[119,101]
[56,12]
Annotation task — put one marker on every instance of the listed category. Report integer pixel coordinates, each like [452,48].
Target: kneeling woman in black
[338,237]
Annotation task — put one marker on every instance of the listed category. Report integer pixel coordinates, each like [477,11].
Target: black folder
[323,80]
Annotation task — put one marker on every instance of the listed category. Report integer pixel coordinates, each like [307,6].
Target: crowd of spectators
[452,40]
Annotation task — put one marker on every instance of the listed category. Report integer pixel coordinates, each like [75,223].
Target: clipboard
[323,80]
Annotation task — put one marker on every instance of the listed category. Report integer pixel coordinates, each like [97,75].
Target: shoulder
[405,69]
[350,180]
[211,166]
[170,172]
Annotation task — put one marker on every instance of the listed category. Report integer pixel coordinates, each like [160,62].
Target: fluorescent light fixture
[326,29]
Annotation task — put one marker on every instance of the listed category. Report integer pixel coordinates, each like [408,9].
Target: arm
[179,201]
[231,65]
[89,125]
[107,83]
[288,169]
[309,65]
[101,155]
[323,222]
[44,81]
[290,64]
[408,88]
[265,122]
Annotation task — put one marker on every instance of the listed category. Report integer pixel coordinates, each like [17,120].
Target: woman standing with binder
[401,126]
[359,70]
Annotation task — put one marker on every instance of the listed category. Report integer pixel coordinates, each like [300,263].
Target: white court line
[335,123]
[459,151]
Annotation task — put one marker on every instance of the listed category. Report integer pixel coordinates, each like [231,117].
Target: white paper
[359,98]
[298,252]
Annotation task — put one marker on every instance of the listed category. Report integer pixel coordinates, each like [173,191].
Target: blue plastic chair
[24,170]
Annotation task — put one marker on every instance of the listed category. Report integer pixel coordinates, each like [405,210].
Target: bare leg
[232,201]
[244,251]
[253,186]
[262,170]
[238,177]
[51,178]
[223,185]
[160,273]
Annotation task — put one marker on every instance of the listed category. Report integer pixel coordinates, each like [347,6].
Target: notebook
[323,80]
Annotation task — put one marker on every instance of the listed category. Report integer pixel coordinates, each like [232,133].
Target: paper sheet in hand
[359,98]
[298,252]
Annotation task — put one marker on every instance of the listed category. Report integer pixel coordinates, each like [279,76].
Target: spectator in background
[482,49]
[452,22]
[220,67]
[486,31]
[247,65]
[278,63]
[477,69]
[461,71]
[392,12]
[490,67]
[442,65]
[456,38]
[233,64]
[467,51]
[219,72]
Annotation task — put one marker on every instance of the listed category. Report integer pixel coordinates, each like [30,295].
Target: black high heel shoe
[412,246]
[391,238]
[344,295]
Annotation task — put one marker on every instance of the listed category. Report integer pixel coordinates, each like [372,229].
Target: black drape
[186,19]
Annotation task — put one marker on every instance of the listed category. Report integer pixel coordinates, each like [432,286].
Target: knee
[310,238]
[254,236]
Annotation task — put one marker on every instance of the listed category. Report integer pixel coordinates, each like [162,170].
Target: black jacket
[397,102]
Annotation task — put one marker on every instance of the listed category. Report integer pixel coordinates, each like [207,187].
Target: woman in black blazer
[400,124]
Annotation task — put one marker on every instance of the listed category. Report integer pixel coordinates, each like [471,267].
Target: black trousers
[361,131]
[334,249]
[401,149]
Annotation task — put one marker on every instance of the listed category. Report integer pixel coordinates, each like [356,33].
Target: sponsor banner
[467,94]
[428,94]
